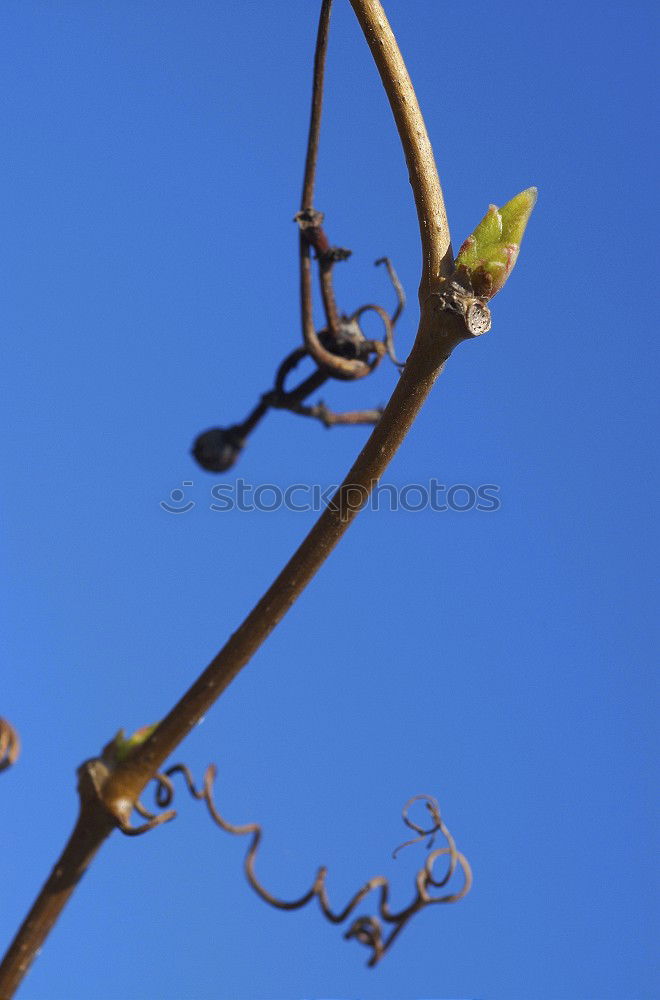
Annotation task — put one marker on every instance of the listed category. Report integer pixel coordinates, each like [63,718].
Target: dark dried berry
[349,341]
[217,449]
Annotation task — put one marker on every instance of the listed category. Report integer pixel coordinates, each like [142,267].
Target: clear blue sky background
[502,661]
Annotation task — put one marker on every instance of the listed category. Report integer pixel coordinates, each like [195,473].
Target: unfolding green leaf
[486,259]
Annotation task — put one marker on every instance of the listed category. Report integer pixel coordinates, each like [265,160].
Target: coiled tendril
[376,931]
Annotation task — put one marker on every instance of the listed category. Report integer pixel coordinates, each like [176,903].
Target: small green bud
[486,259]
[122,746]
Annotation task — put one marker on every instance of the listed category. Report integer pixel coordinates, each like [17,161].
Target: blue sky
[502,661]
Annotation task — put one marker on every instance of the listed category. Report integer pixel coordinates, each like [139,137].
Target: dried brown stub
[461,300]
[10,745]
[477,318]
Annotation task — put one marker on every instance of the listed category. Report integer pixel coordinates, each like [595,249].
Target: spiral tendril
[368,930]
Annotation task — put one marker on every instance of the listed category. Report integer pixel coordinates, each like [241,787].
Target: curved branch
[440,330]
[311,233]
[431,213]
[340,368]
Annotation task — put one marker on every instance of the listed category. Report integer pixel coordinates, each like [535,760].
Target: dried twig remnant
[10,745]
[376,931]
[352,356]
[339,349]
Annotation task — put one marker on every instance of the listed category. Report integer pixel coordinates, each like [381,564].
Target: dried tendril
[376,931]
[339,349]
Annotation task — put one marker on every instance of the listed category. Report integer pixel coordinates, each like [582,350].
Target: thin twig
[398,288]
[387,323]
[339,367]
[348,418]
[307,200]
[313,236]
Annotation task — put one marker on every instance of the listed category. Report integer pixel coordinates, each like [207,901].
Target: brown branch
[307,200]
[92,827]
[439,333]
[328,417]
[437,257]
[312,235]
[338,367]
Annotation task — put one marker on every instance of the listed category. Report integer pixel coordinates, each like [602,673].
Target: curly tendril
[376,931]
